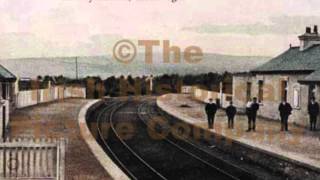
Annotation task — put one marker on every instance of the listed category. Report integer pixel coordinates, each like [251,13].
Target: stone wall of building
[239,90]
[272,95]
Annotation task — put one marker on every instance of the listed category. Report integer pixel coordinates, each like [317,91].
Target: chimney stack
[309,39]
[315,29]
[308,30]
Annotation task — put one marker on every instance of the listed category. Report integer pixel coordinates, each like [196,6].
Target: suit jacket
[285,109]
[231,111]
[254,108]
[313,109]
[211,108]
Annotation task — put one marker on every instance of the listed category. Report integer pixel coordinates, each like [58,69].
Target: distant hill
[105,66]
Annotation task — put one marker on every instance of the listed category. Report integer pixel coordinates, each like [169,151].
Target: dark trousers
[284,123]
[313,122]
[230,121]
[252,122]
[210,120]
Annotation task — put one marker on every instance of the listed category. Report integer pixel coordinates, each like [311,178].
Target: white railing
[32,97]
[23,158]
[205,95]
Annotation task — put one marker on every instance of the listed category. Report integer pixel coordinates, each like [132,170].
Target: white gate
[23,158]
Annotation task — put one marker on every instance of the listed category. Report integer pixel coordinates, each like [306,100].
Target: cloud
[281,25]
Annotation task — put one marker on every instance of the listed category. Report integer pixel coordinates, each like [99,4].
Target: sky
[39,28]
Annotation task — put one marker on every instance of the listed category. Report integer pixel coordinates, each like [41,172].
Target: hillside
[105,66]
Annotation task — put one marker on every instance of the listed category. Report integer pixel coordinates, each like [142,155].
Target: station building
[294,75]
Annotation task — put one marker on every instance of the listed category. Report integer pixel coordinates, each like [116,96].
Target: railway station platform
[295,153]
[59,120]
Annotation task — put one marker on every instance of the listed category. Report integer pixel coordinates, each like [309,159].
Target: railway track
[118,144]
[185,144]
[142,157]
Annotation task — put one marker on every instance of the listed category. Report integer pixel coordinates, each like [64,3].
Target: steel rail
[183,149]
[111,114]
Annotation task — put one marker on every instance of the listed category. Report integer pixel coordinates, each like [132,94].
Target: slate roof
[6,75]
[313,77]
[294,61]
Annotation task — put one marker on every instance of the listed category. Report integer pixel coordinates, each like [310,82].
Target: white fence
[32,97]
[187,89]
[204,96]
[32,159]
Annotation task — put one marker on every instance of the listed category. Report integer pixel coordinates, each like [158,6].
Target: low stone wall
[288,168]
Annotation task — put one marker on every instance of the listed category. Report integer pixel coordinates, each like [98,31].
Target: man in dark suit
[231,112]
[313,109]
[285,110]
[211,109]
[253,110]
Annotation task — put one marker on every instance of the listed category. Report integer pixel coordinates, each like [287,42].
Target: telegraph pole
[76,67]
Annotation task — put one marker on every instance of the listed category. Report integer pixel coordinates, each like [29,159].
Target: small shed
[7,98]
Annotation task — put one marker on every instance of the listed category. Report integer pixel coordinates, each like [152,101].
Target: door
[4,88]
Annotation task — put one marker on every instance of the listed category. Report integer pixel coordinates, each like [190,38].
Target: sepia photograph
[159,89]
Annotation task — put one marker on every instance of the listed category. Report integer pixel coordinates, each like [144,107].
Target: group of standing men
[252,107]
[211,109]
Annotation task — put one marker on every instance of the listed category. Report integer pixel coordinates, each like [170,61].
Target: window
[260,91]
[248,91]
[284,90]
[312,91]
[296,96]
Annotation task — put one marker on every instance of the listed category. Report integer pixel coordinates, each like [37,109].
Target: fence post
[62,150]
[2,164]
[3,107]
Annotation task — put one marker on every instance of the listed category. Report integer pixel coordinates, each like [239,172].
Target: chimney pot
[308,30]
[315,29]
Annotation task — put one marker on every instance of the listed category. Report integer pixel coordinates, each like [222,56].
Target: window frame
[260,91]
[248,91]
[296,88]
[284,90]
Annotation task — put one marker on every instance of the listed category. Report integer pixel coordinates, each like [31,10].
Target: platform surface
[298,144]
[56,120]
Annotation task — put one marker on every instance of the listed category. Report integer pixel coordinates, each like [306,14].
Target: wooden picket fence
[28,158]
